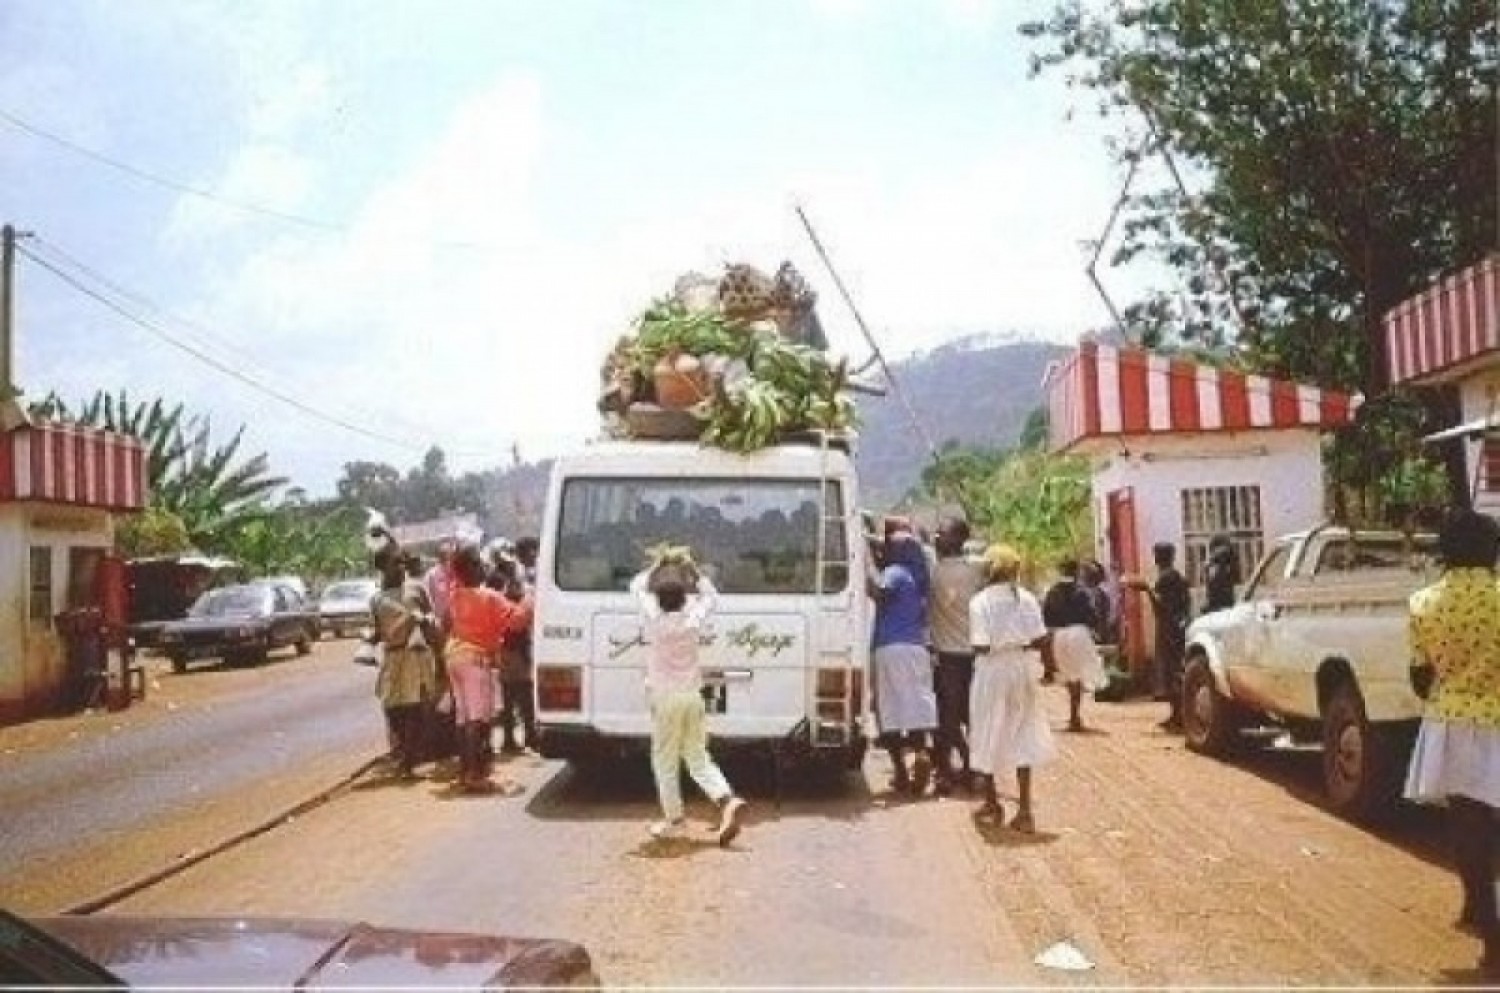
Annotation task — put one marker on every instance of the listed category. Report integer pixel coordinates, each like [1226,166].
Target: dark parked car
[162,588]
[272,954]
[241,623]
[344,607]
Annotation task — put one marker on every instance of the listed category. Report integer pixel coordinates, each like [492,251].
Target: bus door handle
[736,675]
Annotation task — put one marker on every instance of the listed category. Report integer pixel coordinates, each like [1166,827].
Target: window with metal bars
[1233,511]
[40,575]
[1490,468]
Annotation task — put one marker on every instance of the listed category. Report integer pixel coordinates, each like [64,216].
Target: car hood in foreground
[198,953]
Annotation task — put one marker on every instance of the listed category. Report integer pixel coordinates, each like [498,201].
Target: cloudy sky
[462,204]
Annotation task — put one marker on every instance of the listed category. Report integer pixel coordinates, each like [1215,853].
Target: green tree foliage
[1034,430]
[1345,151]
[425,492]
[1347,147]
[211,487]
[1380,471]
[1034,500]
[371,484]
[314,540]
[154,531]
[958,467]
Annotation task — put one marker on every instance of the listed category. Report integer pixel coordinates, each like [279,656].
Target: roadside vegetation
[1334,157]
[211,496]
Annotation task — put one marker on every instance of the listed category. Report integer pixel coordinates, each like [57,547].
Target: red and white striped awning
[66,464]
[1447,330]
[1105,391]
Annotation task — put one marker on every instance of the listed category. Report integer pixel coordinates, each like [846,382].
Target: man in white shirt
[956,578]
[673,622]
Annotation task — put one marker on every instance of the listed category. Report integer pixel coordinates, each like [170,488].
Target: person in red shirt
[480,619]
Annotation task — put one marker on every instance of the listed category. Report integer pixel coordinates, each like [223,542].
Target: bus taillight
[559,687]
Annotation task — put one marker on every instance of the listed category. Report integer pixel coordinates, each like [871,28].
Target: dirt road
[1158,866]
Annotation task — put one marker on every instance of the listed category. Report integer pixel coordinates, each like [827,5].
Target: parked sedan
[344,607]
[241,623]
[276,954]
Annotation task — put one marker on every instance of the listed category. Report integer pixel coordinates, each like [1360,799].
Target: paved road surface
[1160,867]
[123,796]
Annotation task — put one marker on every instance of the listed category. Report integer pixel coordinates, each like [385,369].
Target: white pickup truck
[1317,644]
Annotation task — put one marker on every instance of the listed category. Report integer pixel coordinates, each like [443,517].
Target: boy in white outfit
[673,623]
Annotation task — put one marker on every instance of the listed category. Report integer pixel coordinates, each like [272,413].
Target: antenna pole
[864,329]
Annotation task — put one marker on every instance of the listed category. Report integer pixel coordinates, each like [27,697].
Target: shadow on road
[624,790]
[674,848]
[1473,977]
[1416,829]
[998,836]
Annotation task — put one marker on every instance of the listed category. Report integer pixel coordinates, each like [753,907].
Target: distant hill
[976,391]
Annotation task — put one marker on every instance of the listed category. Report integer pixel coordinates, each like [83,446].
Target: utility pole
[7,279]
[12,414]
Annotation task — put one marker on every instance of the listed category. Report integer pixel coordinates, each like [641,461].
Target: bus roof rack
[842,441]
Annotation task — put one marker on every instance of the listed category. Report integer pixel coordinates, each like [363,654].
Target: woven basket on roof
[745,292]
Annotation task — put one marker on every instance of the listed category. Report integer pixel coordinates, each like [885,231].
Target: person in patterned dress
[407,681]
[1455,640]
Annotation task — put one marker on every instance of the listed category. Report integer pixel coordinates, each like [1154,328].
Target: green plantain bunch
[667,327]
[791,387]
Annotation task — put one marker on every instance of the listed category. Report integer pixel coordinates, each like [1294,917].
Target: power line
[177,186]
[205,336]
[211,360]
[158,180]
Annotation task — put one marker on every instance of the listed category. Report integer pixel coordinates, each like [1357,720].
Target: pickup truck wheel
[303,646]
[1361,761]
[1211,722]
[179,662]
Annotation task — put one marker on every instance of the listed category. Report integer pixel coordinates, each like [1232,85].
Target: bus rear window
[751,536]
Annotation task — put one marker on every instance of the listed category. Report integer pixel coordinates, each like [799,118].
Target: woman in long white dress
[1007,728]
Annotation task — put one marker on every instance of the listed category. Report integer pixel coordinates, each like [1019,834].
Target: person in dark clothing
[1172,604]
[1068,612]
[527,550]
[1091,574]
[508,574]
[517,686]
[1221,573]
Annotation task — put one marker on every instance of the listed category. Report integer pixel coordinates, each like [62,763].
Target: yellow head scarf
[1001,559]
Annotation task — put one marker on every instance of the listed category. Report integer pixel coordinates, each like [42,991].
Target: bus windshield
[755,536]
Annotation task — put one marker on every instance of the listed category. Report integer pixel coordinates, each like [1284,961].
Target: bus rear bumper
[585,742]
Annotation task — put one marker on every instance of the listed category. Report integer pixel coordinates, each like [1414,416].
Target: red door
[1125,556]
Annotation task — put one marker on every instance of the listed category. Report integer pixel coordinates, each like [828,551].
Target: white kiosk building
[1182,452]
[60,486]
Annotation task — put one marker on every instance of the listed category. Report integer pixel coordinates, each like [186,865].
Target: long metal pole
[1220,270]
[7,278]
[1093,267]
[864,329]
